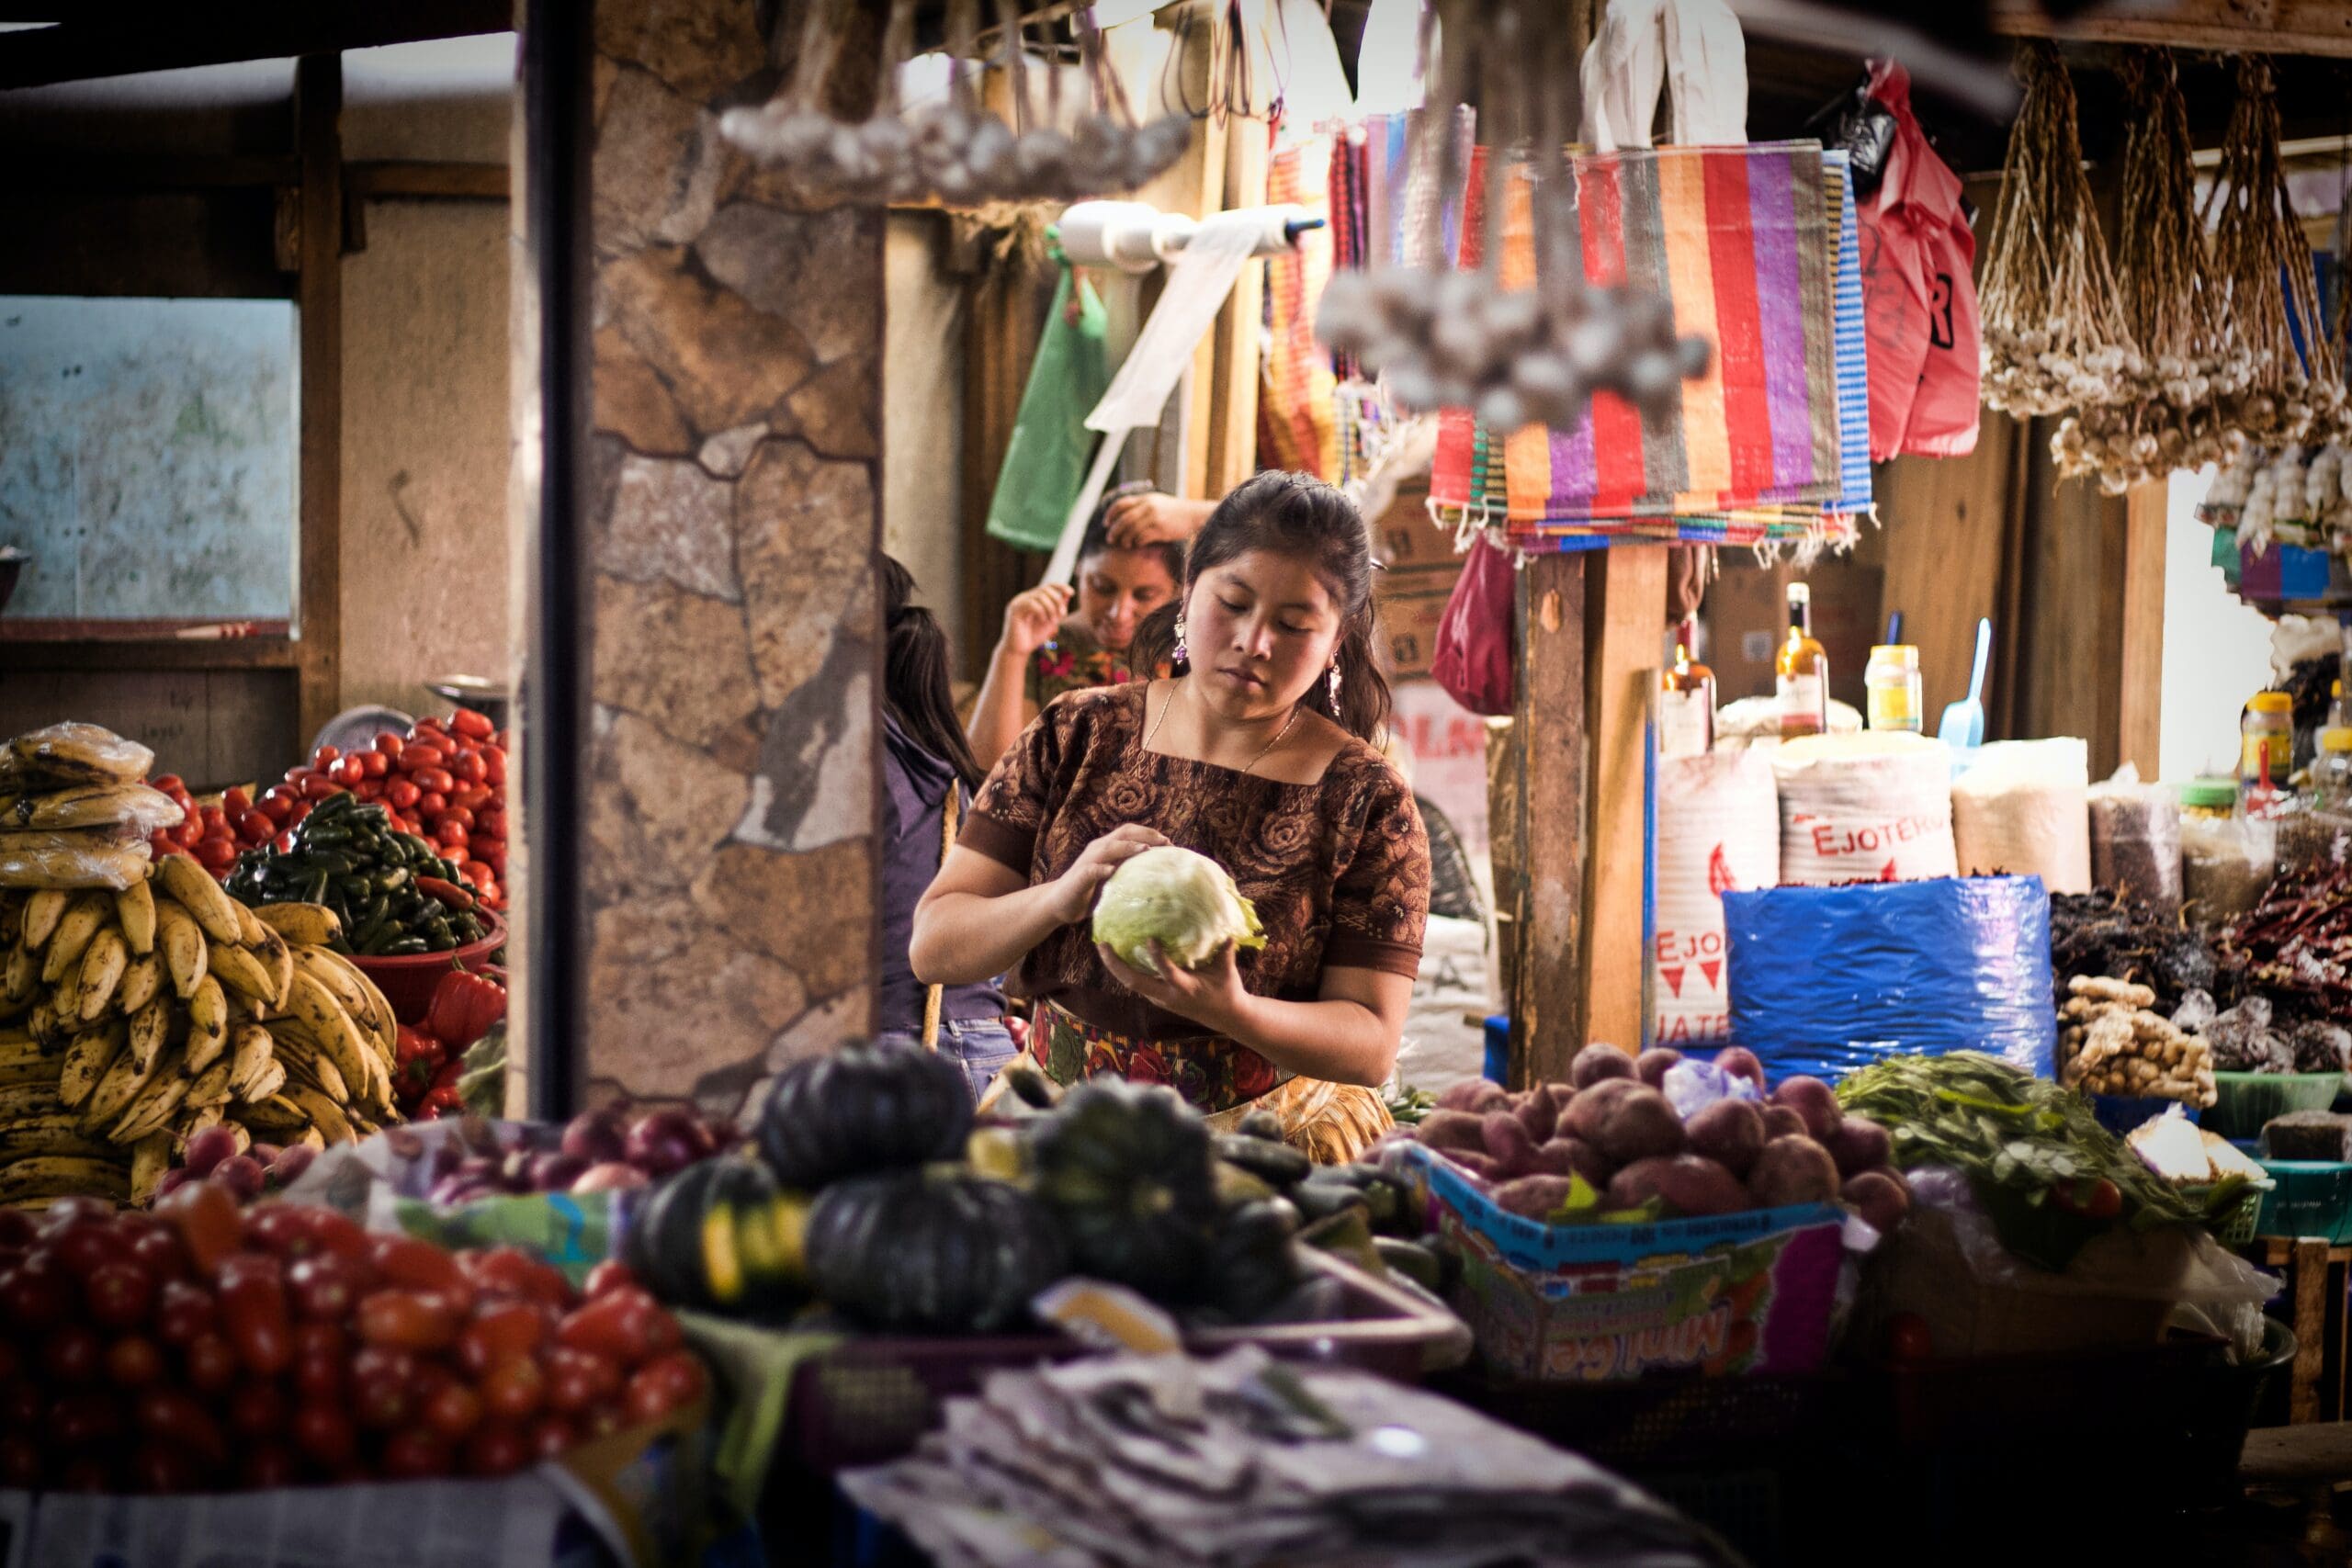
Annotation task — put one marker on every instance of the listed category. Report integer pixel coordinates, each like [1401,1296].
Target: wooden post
[1232,437]
[1548,905]
[318,106]
[2140,666]
[1624,621]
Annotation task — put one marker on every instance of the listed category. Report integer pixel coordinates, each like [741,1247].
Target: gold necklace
[1165,707]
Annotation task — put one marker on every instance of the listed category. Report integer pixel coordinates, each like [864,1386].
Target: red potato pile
[204,1348]
[1614,1126]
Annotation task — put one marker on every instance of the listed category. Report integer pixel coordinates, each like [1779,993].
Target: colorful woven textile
[1296,428]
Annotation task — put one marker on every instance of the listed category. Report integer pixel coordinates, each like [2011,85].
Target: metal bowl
[489,698]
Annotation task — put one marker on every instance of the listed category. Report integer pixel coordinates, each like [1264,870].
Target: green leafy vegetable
[2047,1173]
[1184,901]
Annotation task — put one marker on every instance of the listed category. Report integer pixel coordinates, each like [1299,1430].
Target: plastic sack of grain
[2135,839]
[1870,807]
[2022,809]
[1718,829]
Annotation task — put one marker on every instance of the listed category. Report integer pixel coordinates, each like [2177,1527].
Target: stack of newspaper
[1165,1459]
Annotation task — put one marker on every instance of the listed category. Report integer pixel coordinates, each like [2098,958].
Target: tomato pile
[204,1348]
[443,781]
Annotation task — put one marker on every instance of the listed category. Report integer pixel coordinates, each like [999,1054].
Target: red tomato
[161,1254]
[254,1312]
[473,725]
[257,827]
[205,1217]
[210,1362]
[318,786]
[216,821]
[21,1407]
[256,1409]
[606,1278]
[348,772]
[499,1330]
[119,1295]
[216,854]
[514,1388]
[401,794]
[380,1401]
[341,1234]
[283,843]
[509,1271]
[170,784]
[294,777]
[72,1354]
[492,823]
[160,1469]
[301,810]
[552,1437]
[432,780]
[473,797]
[449,831]
[170,1415]
[265,1467]
[86,1248]
[184,1310]
[415,1454]
[459,817]
[453,1410]
[20,1462]
[375,764]
[668,1382]
[407,1320]
[390,744]
[84,1420]
[324,1288]
[468,767]
[498,1449]
[34,1295]
[325,1435]
[418,1265]
[277,806]
[134,1361]
[324,755]
[236,802]
[430,804]
[420,756]
[579,1379]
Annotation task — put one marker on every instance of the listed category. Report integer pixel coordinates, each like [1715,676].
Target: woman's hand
[1076,888]
[1152,518]
[1212,998]
[1032,619]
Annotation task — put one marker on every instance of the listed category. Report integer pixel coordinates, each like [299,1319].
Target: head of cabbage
[1184,901]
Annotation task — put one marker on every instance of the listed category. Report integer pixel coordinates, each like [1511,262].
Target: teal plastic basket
[2244,1101]
[2312,1197]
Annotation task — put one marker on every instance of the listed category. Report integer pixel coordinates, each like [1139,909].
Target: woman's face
[1262,630]
[1116,588]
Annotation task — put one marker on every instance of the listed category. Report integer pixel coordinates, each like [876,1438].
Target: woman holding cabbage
[1256,755]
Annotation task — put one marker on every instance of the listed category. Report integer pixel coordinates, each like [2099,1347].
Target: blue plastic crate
[2312,1197]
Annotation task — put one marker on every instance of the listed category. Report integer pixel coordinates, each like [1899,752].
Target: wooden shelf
[2321,27]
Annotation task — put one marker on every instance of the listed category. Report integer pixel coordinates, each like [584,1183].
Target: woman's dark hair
[1097,537]
[1300,516]
[914,677]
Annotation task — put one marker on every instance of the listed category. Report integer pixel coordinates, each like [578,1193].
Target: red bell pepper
[463,1008]
[417,1058]
[443,1101]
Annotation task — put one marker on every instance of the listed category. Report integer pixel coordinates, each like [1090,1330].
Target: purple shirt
[913,801]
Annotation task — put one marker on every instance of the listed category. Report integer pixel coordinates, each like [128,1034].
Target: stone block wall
[733,502]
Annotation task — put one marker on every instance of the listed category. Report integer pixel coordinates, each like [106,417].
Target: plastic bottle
[2266,752]
[1890,680]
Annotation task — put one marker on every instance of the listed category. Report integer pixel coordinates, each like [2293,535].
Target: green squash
[931,1251]
[1126,1168]
[721,1236]
[864,1109]
[1253,1266]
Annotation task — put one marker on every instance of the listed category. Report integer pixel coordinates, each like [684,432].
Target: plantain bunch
[131,1019]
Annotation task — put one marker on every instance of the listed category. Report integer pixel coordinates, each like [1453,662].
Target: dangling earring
[1181,661]
[1335,688]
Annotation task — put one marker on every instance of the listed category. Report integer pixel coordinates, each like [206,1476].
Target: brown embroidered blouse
[1339,869]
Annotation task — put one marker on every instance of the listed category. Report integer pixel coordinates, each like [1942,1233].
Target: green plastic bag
[1044,466]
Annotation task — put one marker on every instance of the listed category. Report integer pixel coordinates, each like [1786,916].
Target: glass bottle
[1686,717]
[2266,751]
[1801,671]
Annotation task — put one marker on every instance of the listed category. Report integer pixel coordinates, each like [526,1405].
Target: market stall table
[2317,1277]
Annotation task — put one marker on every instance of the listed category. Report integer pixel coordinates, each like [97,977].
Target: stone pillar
[732,506]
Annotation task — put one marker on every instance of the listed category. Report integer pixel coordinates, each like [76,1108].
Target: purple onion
[595,1137]
[556,1172]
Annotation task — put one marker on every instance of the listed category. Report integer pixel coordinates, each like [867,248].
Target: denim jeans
[982,1045]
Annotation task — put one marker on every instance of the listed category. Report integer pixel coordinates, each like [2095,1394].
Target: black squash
[936,1251]
[1127,1170]
[864,1109]
[1254,1265]
[721,1234]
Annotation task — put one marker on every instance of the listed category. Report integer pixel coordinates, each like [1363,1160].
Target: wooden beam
[1206,197]
[408,179]
[127,39]
[1547,1005]
[107,174]
[1625,624]
[1238,336]
[147,653]
[2233,27]
[317,102]
[2140,665]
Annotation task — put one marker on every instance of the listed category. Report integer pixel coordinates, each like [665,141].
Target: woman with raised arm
[1255,752]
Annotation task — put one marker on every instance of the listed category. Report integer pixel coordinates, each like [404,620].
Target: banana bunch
[130,1020]
[72,812]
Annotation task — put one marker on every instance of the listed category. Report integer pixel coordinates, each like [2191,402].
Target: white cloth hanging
[1692,49]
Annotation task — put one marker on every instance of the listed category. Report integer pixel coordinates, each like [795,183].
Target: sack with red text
[1718,828]
[1824,980]
[1872,808]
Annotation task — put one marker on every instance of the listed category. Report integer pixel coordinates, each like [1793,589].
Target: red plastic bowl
[407,980]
